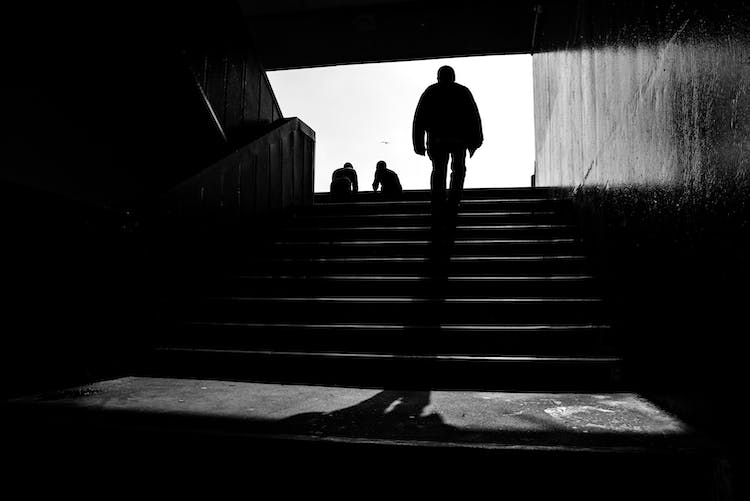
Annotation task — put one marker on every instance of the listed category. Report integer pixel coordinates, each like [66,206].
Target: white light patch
[564,412]
[363,113]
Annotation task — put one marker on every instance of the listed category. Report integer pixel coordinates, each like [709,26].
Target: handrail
[204,98]
[271,174]
[276,106]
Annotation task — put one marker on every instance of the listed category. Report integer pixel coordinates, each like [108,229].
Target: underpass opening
[363,113]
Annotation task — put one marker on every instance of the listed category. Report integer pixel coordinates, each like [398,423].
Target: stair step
[391,207]
[422,242]
[526,264]
[474,279]
[395,309]
[546,340]
[468,194]
[423,218]
[384,327]
[389,370]
[411,299]
[398,356]
[344,233]
[415,247]
[426,227]
[464,202]
[261,285]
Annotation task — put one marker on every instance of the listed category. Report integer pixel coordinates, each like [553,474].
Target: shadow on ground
[388,414]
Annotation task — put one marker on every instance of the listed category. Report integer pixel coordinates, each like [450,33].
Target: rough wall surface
[108,105]
[647,121]
[226,67]
[657,112]
[102,109]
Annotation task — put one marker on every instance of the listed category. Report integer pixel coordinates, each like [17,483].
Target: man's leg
[458,174]
[437,180]
[338,191]
[437,254]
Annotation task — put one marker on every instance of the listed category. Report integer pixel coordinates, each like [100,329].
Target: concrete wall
[75,285]
[644,116]
[104,109]
[109,105]
[256,184]
[224,63]
[633,110]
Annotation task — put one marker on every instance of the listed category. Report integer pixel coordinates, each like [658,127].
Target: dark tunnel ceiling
[299,33]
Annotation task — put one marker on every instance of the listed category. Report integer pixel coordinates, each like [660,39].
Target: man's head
[348,165]
[446,75]
[380,165]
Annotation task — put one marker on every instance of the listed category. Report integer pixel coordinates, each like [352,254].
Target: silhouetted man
[391,186]
[344,182]
[448,114]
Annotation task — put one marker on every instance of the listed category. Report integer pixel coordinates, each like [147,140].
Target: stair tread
[465,201]
[423,215]
[405,278]
[468,193]
[548,257]
[462,214]
[406,299]
[403,356]
[427,227]
[460,241]
[399,327]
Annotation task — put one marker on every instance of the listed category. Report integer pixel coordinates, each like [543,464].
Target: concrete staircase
[349,293]
[343,353]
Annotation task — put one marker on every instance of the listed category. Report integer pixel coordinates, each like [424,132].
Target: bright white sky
[363,113]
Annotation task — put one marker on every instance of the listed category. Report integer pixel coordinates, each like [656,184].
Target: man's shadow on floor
[388,414]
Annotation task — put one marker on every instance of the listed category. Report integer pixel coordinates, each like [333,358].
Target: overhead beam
[388,31]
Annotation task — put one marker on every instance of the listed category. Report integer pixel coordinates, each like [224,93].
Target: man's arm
[418,128]
[477,136]
[376,181]
[355,187]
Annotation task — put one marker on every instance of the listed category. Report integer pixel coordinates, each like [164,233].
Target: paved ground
[461,417]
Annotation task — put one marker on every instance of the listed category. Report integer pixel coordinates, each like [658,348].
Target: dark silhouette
[344,182]
[448,114]
[388,180]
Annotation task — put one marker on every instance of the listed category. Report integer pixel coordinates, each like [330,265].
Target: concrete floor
[494,419]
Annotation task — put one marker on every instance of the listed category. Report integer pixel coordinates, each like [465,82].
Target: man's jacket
[448,113]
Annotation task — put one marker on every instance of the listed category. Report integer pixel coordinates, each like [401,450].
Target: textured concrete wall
[646,114]
[649,121]
[100,106]
[225,65]
[668,112]
[109,106]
